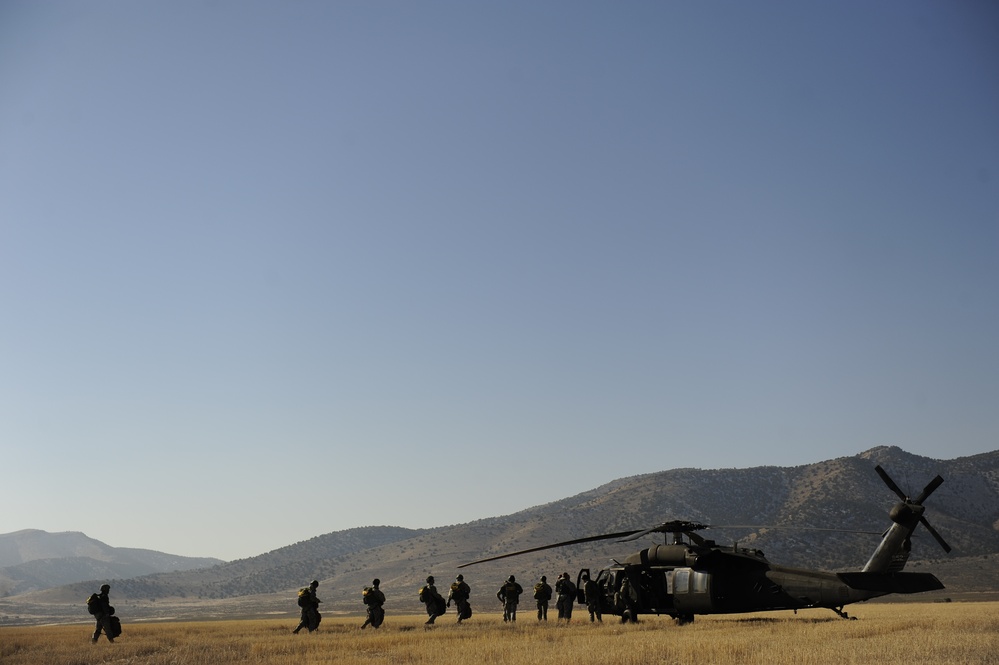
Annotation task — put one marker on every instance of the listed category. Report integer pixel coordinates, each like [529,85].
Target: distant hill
[843,493]
[31,560]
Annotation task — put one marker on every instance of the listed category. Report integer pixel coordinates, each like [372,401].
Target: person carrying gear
[99,605]
[542,594]
[309,603]
[436,605]
[625,602]
[509,595]
[459,593]
[591,594]
[566,597]
[373,600]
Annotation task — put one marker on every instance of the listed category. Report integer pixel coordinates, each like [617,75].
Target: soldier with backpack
[509,595]
[373,599]
[309,603]
[436,605]
[542,594]
[624,602]
[591,594]
[566,597]
[459,593]
[99,606]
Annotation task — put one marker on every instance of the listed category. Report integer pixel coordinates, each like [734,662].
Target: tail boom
[884,583]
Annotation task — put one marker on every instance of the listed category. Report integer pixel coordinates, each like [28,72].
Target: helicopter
[693,575]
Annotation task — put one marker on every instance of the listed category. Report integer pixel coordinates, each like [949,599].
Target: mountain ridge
[842,493]
[32,559]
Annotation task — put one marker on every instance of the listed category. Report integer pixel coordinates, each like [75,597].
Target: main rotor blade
[666,528]
[928,490]
[933,532]
[676,526]
[638,535]
[577,541]
[890,483]
[791,526]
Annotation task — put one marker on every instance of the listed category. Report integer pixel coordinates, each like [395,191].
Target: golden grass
[884,634]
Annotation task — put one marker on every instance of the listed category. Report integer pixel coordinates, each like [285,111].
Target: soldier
[509,594]
[99,605]
[309,603]
[459,593]
[373,599]
[591,594]
[542,594]
[434,601]
[566,591]
[624,600]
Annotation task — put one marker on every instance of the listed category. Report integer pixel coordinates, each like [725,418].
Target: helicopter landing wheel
[843,615]
[684,619]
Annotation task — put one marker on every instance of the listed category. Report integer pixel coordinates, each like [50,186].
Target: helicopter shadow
[775,620]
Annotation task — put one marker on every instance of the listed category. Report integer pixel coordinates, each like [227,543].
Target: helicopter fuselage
[683,580]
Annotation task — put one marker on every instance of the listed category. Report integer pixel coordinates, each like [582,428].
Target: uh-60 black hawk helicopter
[692,575]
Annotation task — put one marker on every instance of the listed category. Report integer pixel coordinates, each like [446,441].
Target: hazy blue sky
[274,269]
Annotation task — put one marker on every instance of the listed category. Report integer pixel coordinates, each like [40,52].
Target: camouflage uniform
[566,596]
[373,600]
[591,593]
[625,601]
[310,609]
[459,593]
[434,601]
[542,594]
[103,614]
[509,595]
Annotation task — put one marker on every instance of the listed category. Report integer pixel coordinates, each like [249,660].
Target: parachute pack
[457,592]
[542,591]
[372,596]
[429,597]
[115,626]
[512,590]
[94,604]
[305,597]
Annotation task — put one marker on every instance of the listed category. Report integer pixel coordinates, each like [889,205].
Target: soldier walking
[459,593]
[566,597]
[542,594]
[373,600]
[309,603]
[434,601]
[509,595]
[99,605]
[591,594]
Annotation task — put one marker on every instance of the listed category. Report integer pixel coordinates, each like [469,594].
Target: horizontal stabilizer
[892,582]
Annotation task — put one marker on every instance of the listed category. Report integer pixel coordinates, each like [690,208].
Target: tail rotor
[908,508]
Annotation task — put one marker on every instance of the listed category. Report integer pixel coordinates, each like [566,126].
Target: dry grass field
[884,634]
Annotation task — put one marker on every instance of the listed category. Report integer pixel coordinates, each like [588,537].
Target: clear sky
[274,269]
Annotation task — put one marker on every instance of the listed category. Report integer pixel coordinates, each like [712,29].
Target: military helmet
[544,579]
[314,583]
[460,577]
[105,587]
[375,582]
[430,579]
[512,579]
